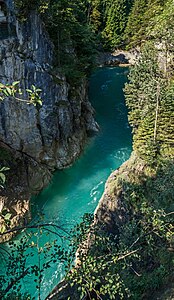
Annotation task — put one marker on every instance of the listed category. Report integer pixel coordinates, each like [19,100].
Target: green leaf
[6,93]
[7,216]
[15,83]
[29,91]
[2,228]
[4,169]
[2,177]
[9,91]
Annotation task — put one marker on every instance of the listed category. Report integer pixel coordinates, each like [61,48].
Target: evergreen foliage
[141,17]
[116,19]
[68,25]
[150,99]
[116,24]
[134,28]
[95,15]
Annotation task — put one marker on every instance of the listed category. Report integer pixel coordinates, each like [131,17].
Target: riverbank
[77,190]
[133,218]
[121,58]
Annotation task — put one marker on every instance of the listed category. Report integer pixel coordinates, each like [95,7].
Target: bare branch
[34,227]
[11,284]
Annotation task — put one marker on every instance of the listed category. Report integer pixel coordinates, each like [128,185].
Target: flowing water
[77,190]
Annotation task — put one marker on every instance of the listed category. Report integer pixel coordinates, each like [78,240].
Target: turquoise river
[78,189]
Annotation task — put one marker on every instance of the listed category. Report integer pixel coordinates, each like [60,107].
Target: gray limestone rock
[44,138]
[53,134]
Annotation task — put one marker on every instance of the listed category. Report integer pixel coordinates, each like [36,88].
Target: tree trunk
[157,109]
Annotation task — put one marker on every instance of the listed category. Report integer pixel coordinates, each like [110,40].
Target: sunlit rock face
[53,134]
[43,138]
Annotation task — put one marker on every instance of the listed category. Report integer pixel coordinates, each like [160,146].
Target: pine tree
[95,14]
[116,15]
[141,20]
[134,30]
[149,97]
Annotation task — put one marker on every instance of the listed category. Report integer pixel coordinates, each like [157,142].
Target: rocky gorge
[134,247]
[38,139]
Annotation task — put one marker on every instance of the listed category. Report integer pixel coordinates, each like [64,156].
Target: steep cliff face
[112,211]
[44,138]
[54,134]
